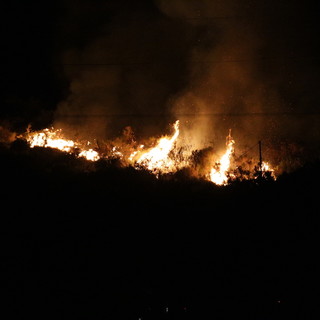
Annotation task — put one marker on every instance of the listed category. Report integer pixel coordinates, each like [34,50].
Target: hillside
[92,240]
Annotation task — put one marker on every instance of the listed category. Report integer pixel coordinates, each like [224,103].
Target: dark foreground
[115,243]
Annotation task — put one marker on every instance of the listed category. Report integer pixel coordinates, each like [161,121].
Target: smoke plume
[225,89]
[125,73]
[214,65]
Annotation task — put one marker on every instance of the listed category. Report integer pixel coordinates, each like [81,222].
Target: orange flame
[50,138]
[162,158]
[157,158]
[219,176]
[53,138]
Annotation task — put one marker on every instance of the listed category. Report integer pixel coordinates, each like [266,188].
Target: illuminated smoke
[212,64]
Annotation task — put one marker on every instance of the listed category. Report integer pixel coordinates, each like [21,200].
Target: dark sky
[118,57]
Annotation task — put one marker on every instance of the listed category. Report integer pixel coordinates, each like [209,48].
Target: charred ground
[91,240]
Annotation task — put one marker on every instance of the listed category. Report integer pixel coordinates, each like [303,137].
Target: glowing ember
[157,158]
[115,153]
[219,175]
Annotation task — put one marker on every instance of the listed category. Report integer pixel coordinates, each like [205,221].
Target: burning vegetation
[165,155]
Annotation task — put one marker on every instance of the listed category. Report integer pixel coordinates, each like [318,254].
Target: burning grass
[162,156]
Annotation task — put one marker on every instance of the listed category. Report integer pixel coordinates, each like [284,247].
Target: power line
[246,151]
[191,115]
[169,61]
[131,62]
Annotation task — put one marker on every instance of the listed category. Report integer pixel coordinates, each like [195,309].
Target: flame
[89,155]
[157,158]
[219,175]
[53,138]
[164,157]
[265,166]
[50,138]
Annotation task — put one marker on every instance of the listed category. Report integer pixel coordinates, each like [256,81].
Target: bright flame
[89,155]
[165,157]
[50,138]
[53,138]
[157,158]
[219,176]
[265,166]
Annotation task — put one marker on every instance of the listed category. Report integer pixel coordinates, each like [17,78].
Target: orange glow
[49,138]
[165,157]
[265,166]
[219,175]
[53,138]
[157,158]
[89,155]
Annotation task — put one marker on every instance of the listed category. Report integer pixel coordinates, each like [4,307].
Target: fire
[165,157]
[219,175]
[89,155]
[265,166]
[49,138]
[157,158]
[53,138]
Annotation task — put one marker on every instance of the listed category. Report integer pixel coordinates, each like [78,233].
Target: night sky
[163,60]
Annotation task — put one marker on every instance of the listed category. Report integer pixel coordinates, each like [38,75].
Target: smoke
[125,73]
[224,78]
[214,65]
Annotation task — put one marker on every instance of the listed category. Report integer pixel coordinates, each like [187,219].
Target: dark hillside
[94,240]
